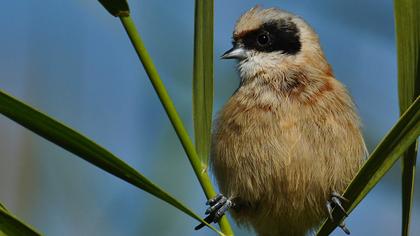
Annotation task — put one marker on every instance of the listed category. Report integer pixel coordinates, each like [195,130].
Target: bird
[288,141]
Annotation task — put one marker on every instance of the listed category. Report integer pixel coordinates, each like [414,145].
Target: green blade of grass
[11,226]
[116,7]
[203,78]
[392,146]
[407,24]
[83,147]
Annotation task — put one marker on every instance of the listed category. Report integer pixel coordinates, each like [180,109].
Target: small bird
[288,141]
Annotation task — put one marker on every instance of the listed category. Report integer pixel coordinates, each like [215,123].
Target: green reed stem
[169,107]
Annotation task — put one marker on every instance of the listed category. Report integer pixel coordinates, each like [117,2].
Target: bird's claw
[336,200]
[344,228]
[214,200]
[218,206]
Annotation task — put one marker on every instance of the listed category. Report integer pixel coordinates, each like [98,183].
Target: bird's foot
[336,200]
[218,206]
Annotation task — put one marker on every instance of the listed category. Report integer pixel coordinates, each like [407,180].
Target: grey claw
[208,219]
[330,209]
[216,206]
[222,210]
[337,202]
[337,195]
[214,200]
[344,228]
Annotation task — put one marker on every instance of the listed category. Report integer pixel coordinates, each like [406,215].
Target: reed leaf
[203,77]
[407,24]
[383,157]
[11,226]
[203,73]
[83,147]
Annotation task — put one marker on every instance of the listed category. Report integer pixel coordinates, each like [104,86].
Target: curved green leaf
[83,147]
[11,226]
[407,24]
[395,143]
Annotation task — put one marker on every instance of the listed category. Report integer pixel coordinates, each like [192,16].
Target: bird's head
[274,42]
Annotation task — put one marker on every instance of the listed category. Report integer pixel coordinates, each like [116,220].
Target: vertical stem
[203,85]
[407,27]
[173,116]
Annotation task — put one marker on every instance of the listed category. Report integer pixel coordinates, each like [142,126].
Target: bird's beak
[235,53]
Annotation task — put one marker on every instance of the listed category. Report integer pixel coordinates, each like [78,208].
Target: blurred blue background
[72,60]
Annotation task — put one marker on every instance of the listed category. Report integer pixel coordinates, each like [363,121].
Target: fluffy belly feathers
[283,164]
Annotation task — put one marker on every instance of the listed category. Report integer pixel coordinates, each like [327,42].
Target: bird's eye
[263,39]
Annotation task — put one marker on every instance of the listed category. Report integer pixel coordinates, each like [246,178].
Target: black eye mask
[274,36]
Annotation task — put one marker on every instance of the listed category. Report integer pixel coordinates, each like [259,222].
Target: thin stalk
[169,107]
